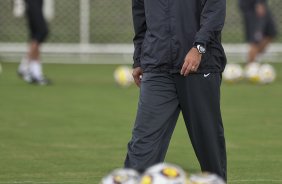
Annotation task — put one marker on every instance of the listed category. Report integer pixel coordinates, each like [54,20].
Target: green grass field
[76,130]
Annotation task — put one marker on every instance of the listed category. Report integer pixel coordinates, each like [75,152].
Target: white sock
[24,65]
[35,69]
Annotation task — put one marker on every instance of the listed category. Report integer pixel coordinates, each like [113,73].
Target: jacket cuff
[136,63]
[200,42]
[202,38]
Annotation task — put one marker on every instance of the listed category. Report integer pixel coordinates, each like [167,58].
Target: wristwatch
[201,49]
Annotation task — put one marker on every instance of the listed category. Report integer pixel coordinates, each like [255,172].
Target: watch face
[201,49]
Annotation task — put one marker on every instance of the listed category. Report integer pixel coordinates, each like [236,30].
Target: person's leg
[253,52]
[34,52]
[199,98]
[262,46]
[158,110]
[262,37]
[36,22]
[269,32]
[253,33]
[31,65]
[35,65]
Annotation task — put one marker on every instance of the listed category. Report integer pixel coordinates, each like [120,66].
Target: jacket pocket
[148,46]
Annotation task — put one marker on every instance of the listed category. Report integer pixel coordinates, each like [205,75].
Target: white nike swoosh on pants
[206,75]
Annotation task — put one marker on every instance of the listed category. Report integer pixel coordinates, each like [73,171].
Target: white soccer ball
[164,173]
[267,74]
[232,73]
[206,178]
[121,176]
[252,72]
[123,76]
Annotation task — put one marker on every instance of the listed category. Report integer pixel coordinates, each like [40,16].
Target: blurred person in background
[30,68]
[260,28]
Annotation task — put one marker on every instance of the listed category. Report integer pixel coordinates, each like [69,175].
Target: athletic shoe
[25,76]
[42,81]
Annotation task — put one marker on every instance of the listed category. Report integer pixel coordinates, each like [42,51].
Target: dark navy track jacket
[165,30]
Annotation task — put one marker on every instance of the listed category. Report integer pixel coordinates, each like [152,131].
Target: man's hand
[260,10]
[137,73]
[191,62]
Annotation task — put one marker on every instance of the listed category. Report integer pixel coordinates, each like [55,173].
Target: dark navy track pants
[162,97]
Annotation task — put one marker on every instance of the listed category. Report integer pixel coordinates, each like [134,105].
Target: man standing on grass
[179,55]
[260,27]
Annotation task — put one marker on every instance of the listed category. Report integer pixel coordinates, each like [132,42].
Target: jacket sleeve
[139,24]
[212,20]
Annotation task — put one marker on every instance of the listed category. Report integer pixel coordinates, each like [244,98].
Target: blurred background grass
[76,130]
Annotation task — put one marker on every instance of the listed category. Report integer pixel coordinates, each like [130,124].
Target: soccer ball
[232,73]
[164,173]
[267,74]
[121,176]
[252,72]
[206,178]
[123,76]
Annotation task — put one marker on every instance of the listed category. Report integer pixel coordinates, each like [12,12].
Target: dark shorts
[36,22]
[257,28]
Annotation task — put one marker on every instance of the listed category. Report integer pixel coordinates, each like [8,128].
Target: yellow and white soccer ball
[251,72]
[123,76]
[164,173]
[266,74]
[232,73]
[121,176]
[205,178]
